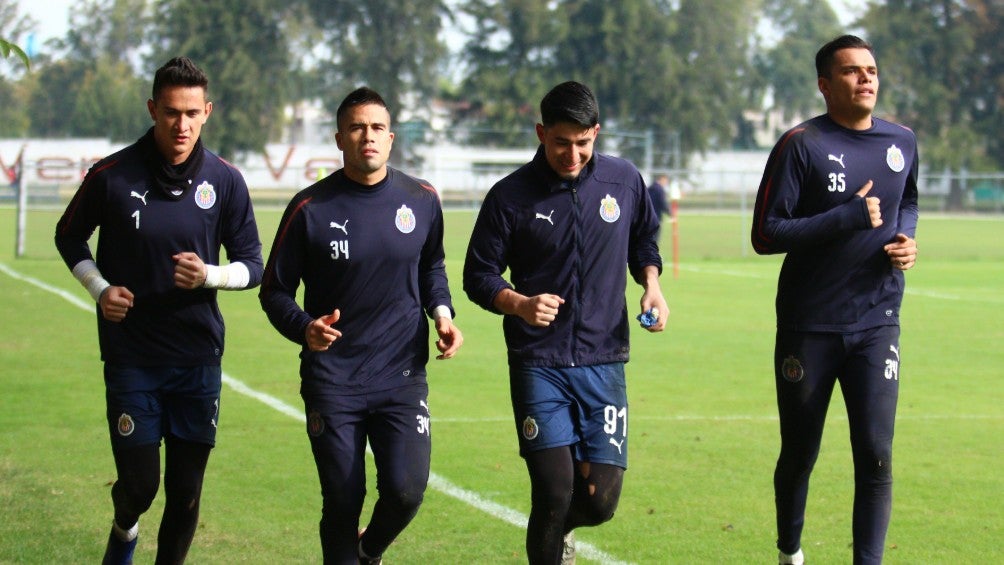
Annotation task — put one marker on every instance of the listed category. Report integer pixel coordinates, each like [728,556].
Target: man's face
[568,147]
[851,90]
[365,140]
[178,116]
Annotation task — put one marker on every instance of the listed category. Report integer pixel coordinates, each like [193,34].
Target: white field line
[437,482]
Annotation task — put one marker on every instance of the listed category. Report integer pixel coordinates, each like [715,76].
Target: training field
[703,426]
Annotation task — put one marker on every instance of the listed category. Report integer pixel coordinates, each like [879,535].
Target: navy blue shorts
[144,404]
[584,407]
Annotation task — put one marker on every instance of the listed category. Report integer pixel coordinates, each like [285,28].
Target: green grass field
[703,422]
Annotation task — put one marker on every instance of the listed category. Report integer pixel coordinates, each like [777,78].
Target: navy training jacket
[576,239]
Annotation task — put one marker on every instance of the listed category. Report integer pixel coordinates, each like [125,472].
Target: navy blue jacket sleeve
[240,231]
[434,287]
[643,246]
[81,218]
[283,273]
[908,210]
[487,254]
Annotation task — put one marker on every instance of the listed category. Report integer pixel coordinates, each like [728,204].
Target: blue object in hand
[648,319]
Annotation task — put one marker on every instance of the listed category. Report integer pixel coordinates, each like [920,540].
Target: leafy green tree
[107,30]
[13,97]
[622,50]
[6,48]
[109,103]
[511,59]
[241,46]
[13,27]
[54,97]
[93,90]
[392,46]
[714,42]
[787,68]
[939,81]
[985,70]
[676,69]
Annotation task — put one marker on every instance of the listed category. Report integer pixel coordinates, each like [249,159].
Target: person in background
[660,203]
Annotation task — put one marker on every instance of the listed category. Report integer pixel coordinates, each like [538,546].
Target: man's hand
[189,270]
[874,211]
[902,252]
[539,310]
[450,338]
[320,335]
[115,303]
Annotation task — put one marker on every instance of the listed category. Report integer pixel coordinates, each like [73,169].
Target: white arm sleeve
[234,276]
[88,274]
[441,311]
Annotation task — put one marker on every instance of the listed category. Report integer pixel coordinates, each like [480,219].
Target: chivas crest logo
[315,424]
[792,369]
[530,429]
[205,195]
[126,426]
[405,219]
[610,211]
[894,158]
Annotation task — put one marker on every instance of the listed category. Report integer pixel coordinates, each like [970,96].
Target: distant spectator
[657,192]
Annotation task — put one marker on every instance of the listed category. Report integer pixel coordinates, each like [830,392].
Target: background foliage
[697,75]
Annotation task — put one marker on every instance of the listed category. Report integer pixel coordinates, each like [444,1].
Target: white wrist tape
[441,311]
[234,276]
[88,274]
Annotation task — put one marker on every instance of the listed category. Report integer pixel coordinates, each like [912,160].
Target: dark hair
[570,102]
[825,55]
[358,97]
[179,71]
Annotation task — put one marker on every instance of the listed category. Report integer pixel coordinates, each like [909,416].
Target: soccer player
[839,197]
[657,192]
[367,243]
[568,226]
[164,205]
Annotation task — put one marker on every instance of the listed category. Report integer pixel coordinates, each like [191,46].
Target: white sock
[796,558]
[125,535]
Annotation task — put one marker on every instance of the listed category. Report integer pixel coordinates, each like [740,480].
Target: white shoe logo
[142,197]
[840,159]
[547,217]
[617,444]
[341,227]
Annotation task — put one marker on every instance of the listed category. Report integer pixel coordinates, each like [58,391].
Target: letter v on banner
[12,171]
[276,175]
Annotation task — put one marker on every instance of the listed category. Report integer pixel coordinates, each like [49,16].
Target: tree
[391,46]
[622,50]
[109,103]
[787,69]
[107,30]
[511,58]
[93,90]
[6,48]
[985,70]
[678,69]
[13,25]
[941,82]
[714,41]
[241,46]
[54,97]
